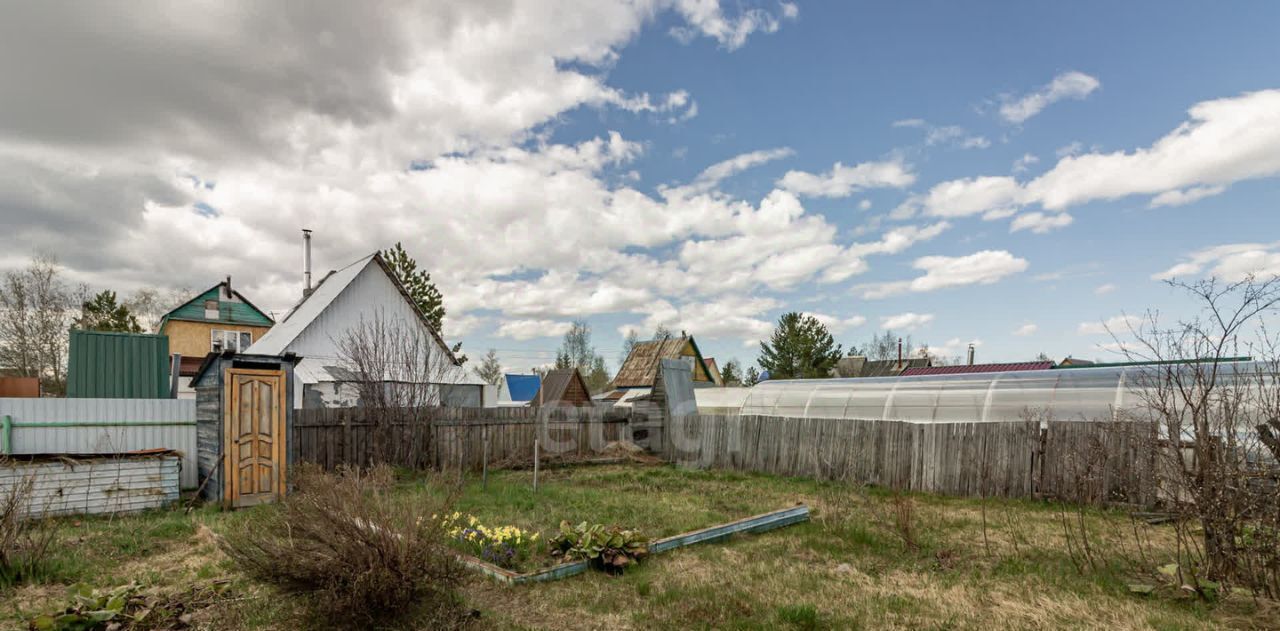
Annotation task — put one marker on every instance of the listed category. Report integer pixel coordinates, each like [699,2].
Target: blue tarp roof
[523,387]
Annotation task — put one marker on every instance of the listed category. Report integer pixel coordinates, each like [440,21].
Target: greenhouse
[1081,394]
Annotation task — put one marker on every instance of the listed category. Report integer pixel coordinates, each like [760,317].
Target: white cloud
[531,329]
[731,317]
[705,17]
[1117,325]
[1185,196]
[1021,165]
[864,204]
[1104,289]
[371,127]
[898,239]
[842,181]
[1072,148]
[971,196]
[1068,85]
[1026,330]
[1230,262]
[1040,223]
[954,347]
[714,174]
[909,122]
[980,268]
[836,324]
[906,321]
[1225,141]
[954,135]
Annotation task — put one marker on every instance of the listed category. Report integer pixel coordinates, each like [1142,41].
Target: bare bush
[400,373]
[1215,470]
[355,554]
[25,540]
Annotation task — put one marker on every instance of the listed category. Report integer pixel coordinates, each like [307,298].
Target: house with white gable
[345,300]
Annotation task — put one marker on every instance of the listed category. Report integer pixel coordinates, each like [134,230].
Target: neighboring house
[362,292]
[563,387]
[640,371]
[518,390]
[858,366]
[219,318]
[714,371]
[976,368]
[1073,362]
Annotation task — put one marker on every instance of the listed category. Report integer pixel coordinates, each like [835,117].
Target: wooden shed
[563,387]
[243,423]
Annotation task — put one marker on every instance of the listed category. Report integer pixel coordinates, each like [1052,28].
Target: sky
[1008,174]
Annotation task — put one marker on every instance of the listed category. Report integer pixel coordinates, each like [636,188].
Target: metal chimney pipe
[971,354]
[306,262]
[899,352]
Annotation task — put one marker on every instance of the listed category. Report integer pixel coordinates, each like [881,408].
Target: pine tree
[731,373]
[421,290]
[751,377]
[104,313]
[418,283]
[801,348]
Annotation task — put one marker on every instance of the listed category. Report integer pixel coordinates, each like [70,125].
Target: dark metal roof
[976,368]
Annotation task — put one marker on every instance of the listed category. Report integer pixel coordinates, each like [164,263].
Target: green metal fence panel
[118,365]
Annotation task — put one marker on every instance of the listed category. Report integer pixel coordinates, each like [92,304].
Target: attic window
[211,309]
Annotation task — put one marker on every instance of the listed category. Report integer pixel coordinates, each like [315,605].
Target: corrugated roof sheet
[522,387]
[966,369]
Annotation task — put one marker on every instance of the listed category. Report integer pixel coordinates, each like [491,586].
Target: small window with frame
[211,309]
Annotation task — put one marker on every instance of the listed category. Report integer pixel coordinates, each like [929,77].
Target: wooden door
[254,460]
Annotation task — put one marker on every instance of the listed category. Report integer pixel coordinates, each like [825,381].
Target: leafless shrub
[399,372]
[904,520]
[355,554]
[25,539]
[1216,471]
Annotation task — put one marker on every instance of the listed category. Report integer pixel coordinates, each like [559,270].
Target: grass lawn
[867,560]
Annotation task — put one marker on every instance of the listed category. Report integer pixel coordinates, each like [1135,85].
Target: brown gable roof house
[563,387]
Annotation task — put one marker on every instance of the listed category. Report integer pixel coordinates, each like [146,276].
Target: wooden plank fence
[1088,462]
[450,438]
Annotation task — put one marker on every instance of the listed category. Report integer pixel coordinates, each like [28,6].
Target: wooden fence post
[535,465]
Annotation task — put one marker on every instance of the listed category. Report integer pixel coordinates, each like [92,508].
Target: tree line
[39,306]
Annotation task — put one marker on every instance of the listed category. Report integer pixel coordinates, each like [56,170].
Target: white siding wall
[105,426]
[370,292]
[94,485]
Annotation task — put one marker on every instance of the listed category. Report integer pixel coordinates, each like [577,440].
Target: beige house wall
[191,339]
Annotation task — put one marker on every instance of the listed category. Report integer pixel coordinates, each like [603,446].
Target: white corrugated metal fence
[101,426]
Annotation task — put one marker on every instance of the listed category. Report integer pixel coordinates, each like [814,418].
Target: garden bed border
[757,523]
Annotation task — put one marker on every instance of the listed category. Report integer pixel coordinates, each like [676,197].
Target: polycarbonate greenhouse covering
[1080,394]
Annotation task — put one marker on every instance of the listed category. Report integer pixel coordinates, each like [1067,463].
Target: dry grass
[848,568]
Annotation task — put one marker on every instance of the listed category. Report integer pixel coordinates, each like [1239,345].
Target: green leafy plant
[610,548]
[94,609]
